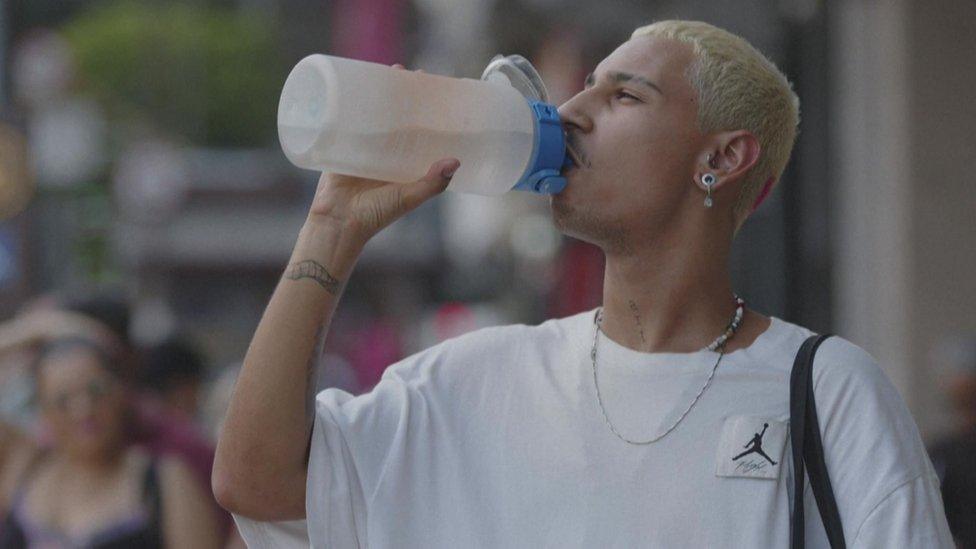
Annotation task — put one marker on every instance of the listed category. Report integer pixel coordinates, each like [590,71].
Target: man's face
[635,127]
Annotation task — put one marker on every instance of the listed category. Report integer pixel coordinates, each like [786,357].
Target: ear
[734,154]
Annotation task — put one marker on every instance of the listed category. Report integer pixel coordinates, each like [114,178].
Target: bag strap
[807,447]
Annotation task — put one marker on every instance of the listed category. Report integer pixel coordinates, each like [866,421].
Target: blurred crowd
[104,444]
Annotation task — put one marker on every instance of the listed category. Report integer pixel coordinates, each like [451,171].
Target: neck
[96,466]
[674,298]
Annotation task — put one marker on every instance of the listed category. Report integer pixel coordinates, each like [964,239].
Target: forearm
[261,466]
[261,455]
[17,451]
[188,519]
[15,336]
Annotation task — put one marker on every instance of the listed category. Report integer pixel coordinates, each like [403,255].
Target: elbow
[241,494]
[232,481]
[225,490]
[231,488]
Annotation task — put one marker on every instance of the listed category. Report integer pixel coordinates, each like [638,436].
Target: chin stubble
[587,227]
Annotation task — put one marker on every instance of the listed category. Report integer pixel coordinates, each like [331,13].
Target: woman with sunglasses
[90,487]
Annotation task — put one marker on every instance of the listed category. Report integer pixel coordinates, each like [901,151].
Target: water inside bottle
[492,161]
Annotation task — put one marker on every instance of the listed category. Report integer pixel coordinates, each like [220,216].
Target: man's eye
[622,94]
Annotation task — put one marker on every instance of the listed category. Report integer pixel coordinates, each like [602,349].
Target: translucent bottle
[374,121]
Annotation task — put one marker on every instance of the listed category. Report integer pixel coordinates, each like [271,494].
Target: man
[173,373]
[953,454]
[615,427]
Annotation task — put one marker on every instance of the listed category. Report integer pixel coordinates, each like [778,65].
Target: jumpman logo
[756,446]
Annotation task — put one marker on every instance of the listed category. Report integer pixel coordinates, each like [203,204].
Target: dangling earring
[708,180]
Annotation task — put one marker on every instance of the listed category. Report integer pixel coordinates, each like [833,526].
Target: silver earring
[708,180]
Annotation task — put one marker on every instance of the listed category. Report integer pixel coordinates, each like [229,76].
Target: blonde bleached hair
[738,89]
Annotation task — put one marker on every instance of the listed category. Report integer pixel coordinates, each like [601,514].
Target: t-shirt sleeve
[906,518]
[288,534]
[879,468]
[353,441]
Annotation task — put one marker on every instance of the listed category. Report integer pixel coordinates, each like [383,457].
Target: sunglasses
[95,391]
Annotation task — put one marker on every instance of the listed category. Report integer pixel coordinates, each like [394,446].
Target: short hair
[738,88]
[110,309]
[108,357]
[170,363]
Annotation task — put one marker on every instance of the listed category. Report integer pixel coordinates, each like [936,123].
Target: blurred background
[139,160]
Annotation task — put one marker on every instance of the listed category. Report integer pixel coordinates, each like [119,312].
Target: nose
[573,117]
[80,405]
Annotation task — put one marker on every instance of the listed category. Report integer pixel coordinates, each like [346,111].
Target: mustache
[575,151]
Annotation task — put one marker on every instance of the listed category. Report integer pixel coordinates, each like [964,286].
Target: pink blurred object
[453,319]
[579,285]
[372,349]
[163,433]
[369,30]
[768,186]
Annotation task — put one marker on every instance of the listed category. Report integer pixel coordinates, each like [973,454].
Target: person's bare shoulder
[188,512]
[173,472]
[17,452]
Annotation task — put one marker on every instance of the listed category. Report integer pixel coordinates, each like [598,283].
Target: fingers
[433,183]
[401,67]
[445,168]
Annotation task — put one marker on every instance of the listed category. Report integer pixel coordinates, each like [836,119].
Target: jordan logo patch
[750,447]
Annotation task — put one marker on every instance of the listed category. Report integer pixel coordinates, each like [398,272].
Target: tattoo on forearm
[315,271]
[633,309]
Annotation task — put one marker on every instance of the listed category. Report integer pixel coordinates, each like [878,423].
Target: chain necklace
[719,344]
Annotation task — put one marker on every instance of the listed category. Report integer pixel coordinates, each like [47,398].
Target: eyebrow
[623,77]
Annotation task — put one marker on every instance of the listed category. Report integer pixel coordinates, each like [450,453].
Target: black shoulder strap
[807,447]
[150,488]
[152,536]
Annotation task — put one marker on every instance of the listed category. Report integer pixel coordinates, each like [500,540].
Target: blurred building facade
[904,261]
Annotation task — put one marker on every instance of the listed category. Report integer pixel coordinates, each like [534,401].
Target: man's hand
[363,207]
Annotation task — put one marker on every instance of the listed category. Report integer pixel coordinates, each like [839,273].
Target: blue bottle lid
[542,174]
[548,153]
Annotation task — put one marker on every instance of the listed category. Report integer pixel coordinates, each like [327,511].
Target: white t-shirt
[496,439]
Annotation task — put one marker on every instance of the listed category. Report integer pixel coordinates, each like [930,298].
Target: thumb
[433,183]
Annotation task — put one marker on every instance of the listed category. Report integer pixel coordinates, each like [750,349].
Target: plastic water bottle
[374,121]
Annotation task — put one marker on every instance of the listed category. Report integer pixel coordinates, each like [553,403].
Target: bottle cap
[516,71]
[542,175]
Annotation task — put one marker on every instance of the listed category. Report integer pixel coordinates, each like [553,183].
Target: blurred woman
[91,487]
